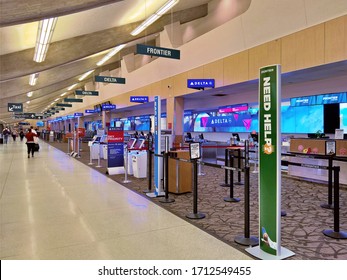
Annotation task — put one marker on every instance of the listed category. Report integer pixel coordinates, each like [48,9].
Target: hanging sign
[15,107]
[88,111]
[107,107]
[73,100]
[114,80]
[64,105]
[139,99]
[200,83]
[78,114]
[157,51]
[87,92]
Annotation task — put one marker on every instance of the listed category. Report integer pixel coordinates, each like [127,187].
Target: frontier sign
[156,51]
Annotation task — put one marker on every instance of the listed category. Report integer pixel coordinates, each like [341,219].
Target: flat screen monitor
[237,136]
[131,143]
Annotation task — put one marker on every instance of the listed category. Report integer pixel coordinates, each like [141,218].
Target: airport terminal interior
[173,130]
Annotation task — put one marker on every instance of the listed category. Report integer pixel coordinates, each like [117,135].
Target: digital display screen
[343,117]
[302,119]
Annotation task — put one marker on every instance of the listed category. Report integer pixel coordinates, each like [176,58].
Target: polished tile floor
[54,207]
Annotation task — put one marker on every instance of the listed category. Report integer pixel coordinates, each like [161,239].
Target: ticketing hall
[200,87]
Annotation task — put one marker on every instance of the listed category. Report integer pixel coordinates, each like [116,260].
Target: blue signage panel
[114,80]
[78,114]
[303,101]
[157,51]
[115,147]
[89,111]
[106,107]
[331,98]
[200,83]
[139,99]
[15,107]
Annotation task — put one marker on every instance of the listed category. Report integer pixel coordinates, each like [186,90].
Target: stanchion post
[226,163]
[329,205]
[166,198]
[231,197]
[195,214]
[90,153]
[68,145]
[336,233]
[239,167]
[201,173]
[255,159]
[247,240]
[126,166]
[78,147]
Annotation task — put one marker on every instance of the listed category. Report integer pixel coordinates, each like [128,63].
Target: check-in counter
[320,146]
[180,173]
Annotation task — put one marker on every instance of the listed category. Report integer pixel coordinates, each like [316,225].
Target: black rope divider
[330,158]
[239,166]
[336,233]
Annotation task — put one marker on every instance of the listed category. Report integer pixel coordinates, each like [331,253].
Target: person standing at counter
[30,142]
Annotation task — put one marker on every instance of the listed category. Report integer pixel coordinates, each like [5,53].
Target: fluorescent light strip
[63,94]
[33,79]
[44,36]
[110,54]
[71,87]
[30,94]
[154,17]
[85,75]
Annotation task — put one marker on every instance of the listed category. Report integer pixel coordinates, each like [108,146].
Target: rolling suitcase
[37,147]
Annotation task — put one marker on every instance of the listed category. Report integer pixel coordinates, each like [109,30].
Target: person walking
[30,142]
[6,133]
[14,135]
[21,134]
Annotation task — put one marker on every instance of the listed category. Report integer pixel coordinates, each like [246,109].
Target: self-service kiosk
[139,159]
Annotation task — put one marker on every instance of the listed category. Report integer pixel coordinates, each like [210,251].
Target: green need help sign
[270,159]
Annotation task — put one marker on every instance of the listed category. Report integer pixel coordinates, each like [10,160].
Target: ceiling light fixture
[56,99]
[63,94]
[33,79]
[110,54]
[71,87]
[44,36]
[167,6]
[85,75]
[28,101]
[30,94]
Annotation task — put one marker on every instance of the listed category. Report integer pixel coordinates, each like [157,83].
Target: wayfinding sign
[157,51]
[15,107]
[114,80]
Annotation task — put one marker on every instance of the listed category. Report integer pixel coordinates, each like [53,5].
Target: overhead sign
[157,51]
[15,107]
[78,114]
[37,116]
[106,107]
[89,111]
[64,105]
[114,80]
[87,92]
[139,99]
[200,83]
[73,100]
